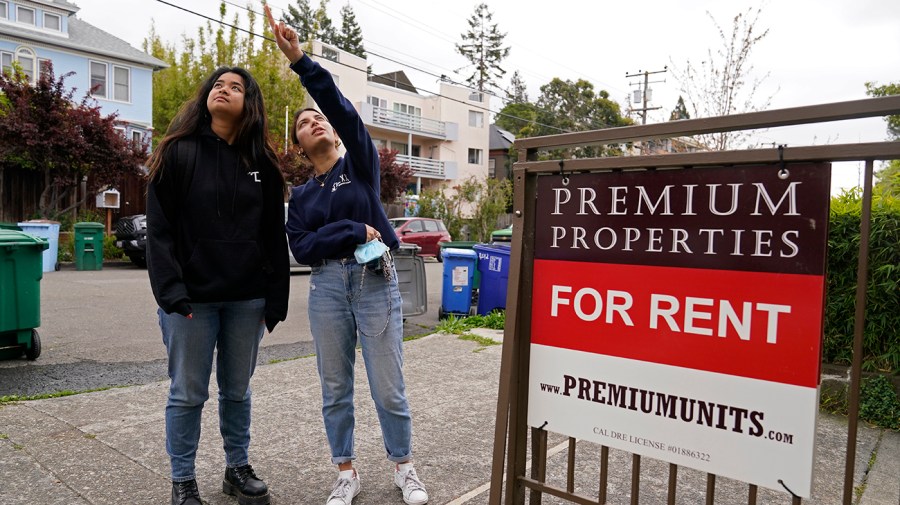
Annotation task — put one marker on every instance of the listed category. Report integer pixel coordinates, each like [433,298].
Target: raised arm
[339,111]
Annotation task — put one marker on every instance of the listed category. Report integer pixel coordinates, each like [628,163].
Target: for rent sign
[678,314]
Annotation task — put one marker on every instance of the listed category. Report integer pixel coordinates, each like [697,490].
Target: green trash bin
[89,246]
[10,226]
[21,270]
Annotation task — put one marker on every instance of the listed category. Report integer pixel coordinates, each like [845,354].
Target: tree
[724,82]
[517,93]
[350,39]
[518,118]
[574,106]
[301,19]
[324,29]
[482,46]
[394,176]
[888,175]
[680,111]
[482,200]
[43,130]
[892,88]
[212,48]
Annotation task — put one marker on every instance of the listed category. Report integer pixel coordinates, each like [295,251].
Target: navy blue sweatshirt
[328,222]
[215,229]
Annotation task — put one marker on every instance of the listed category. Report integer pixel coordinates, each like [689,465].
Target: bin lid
[408,249]
[459,253]
[19,238]
[88,225]
[501,248]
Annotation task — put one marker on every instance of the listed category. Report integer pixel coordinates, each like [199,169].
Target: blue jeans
[340,309]
[235,329]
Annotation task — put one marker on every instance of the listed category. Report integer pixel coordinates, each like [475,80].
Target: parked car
[131,237]
[503,235]
[424,232]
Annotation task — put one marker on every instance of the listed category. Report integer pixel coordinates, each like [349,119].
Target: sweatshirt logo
[341,181]
[255,176]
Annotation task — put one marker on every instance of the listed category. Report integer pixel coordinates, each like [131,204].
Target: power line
[442,77]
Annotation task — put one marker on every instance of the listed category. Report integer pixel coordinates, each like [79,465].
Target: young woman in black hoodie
[218,263]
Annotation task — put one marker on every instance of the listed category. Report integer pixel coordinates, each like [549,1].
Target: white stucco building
[443,137]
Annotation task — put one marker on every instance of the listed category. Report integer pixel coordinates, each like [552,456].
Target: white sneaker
[413,490]
[346,487]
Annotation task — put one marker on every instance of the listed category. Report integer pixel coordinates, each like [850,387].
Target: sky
[815,51]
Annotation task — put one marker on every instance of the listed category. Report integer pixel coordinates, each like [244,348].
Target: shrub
[881,341]
[878,402]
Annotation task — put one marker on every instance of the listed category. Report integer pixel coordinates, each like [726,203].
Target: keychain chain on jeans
[386,263]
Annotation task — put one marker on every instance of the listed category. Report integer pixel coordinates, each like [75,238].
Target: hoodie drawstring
[218,212]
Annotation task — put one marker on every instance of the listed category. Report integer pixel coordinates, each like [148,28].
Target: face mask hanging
[370,251]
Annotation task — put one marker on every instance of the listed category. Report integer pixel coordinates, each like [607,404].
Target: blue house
[35,32]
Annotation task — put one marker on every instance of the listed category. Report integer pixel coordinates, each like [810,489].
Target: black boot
[243,483]
[185,493]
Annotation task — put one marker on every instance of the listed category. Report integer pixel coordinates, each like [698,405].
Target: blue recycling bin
[48,230]
[459,273]
[493,263]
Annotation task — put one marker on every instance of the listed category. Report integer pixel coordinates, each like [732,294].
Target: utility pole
[644,90]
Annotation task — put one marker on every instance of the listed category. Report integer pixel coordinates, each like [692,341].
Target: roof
[62,4]
[86,38]
[500,138]
[396,79]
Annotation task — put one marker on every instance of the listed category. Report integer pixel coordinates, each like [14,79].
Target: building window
[6,60]
[377,102]
[407,109]
[492,167]
[98,79]
[25,15]
[4,10]
[475,156]
[120,130]
[28,62]
[121,84]
[476,119]
[401,147]
[44,66]
[329,53]
[137,137]
[52,22]
[476,96]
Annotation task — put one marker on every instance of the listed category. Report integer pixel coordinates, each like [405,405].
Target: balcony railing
[424,167]
[404,121]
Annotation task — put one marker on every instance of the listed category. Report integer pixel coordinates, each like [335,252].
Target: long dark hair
[252,139]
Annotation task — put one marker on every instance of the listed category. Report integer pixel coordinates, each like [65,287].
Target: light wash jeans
[235,329]
[339,316]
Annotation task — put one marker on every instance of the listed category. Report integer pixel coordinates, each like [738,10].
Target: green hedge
[881,351]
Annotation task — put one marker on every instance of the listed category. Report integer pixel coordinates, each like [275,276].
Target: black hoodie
[215,230]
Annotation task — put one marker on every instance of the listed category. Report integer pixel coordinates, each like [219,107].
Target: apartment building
[444,138]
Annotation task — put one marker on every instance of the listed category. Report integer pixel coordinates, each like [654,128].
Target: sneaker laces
[411,481]
[341,489]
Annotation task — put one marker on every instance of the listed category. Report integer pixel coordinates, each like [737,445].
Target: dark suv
[131,237]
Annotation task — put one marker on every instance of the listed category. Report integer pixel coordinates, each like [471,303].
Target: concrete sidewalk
[108,447]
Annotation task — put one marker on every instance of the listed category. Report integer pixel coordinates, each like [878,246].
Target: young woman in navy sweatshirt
[218,265]
[338,209]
